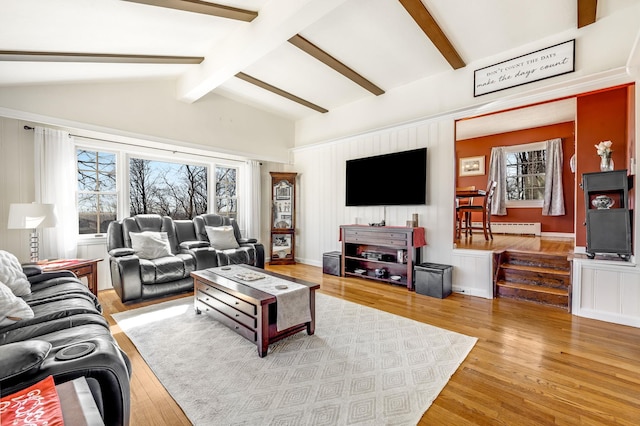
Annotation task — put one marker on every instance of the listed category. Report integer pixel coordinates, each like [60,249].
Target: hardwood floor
[517,243]
[532,365]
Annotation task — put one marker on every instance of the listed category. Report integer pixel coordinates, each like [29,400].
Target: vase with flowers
[605,151]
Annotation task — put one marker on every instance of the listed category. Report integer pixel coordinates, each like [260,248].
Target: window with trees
[97,194]
[171,189]
[525,174]
[226,198]
[179,189]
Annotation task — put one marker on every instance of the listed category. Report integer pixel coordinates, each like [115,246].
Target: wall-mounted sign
[545,63]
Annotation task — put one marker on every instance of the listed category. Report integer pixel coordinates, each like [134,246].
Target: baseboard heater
[532,228]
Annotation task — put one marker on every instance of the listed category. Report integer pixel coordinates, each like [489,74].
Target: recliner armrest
[188,245]
[31,270]
[44,276]
[123,251]
[247,241]
[22,357]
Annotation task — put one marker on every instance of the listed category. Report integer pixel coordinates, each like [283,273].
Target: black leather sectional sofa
[66,338]
[138,277]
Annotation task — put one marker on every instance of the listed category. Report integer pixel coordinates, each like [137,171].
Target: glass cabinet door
[283,218]
[282,205]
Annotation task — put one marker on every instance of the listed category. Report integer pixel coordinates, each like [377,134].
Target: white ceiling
[376,38]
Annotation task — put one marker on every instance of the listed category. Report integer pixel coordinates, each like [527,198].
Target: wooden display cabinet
[608,218]
[283,218]
[379,253]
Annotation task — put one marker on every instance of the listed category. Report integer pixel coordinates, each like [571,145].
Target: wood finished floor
[517,243]
[532,365]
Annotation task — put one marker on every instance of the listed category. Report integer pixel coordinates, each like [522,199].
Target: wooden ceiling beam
[27,56]
[203,7]
[322,56]
[280,92]
[425,21]
[587,12]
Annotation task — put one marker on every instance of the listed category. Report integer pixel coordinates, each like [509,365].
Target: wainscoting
[607,290]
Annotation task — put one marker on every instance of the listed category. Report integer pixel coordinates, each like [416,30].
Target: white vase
[606,164]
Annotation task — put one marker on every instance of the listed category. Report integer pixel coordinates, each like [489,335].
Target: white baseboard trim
[557,235]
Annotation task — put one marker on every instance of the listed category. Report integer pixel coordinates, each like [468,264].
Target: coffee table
[248,311]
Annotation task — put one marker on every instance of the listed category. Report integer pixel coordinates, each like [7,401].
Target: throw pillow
[150,245]
[11,273]
[12,308]
[221,237]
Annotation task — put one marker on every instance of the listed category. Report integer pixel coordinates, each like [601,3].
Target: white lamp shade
[32,216]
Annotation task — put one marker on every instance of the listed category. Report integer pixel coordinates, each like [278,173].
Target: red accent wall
[482,146]
[600,116]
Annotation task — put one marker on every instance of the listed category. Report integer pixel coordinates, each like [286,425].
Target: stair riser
[526,259]
[535,278]
[545,298]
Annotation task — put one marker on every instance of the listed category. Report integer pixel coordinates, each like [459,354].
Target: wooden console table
[80,267]
[383,253]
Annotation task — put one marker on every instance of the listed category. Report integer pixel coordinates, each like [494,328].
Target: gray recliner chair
[249,250]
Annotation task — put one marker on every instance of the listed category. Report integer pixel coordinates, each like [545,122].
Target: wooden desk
[80,267]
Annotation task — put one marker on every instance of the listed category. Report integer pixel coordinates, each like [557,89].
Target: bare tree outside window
[226,191]
[526,175]
[171,189]
[97,196]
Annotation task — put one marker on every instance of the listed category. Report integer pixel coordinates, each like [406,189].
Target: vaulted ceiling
[291,57]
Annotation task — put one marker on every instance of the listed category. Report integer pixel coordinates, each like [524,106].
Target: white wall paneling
[322,191]
[607,291]
[472,272]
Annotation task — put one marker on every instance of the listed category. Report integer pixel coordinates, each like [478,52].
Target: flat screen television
[395,179]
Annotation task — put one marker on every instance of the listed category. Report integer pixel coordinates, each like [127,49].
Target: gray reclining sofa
[145,274]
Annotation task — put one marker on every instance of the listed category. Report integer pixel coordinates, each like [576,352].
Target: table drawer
[82,271]
[230,300]
[234,314]
[245,332]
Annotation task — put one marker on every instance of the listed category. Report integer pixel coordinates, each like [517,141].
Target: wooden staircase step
[554,261]
[533,293]
[536,269]
[533,288]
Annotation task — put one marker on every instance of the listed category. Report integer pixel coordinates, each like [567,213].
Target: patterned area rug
[363,366]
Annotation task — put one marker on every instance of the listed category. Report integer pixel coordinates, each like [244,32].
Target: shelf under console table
[389,250]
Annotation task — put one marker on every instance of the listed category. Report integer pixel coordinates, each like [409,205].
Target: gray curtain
[497,172]
[553,204]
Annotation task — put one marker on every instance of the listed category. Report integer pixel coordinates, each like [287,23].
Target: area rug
[363,366]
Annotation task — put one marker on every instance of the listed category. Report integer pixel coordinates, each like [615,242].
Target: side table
[80,267]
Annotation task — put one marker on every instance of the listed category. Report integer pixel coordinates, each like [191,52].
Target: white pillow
[221,237]
[11,274]
[150,245]
[12,308]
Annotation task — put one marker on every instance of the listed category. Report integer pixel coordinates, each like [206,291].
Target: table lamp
[32,216]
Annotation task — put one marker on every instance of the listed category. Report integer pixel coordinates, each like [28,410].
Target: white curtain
[56,182]
[553,204]
[252,200]
[498,173]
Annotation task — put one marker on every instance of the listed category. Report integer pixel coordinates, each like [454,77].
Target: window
[226,198]
[525,174]
[97,195]
[171,189]
[181,186]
